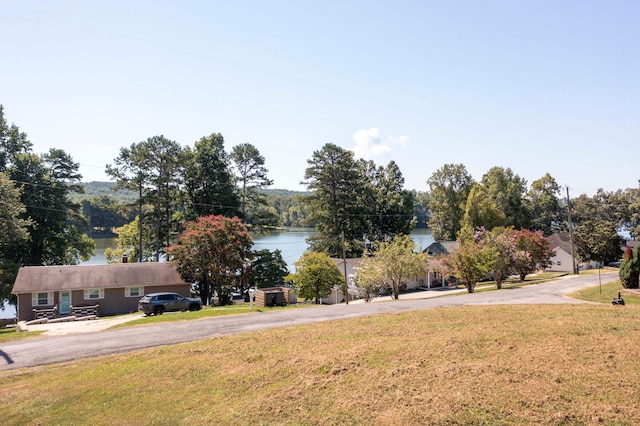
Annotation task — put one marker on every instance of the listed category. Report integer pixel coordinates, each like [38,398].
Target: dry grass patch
[493,365]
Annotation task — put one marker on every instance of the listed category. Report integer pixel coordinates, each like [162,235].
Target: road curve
[52,350]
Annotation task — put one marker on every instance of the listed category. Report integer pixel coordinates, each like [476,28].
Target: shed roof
[76,277]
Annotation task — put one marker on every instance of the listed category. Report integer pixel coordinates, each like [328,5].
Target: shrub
[630,269]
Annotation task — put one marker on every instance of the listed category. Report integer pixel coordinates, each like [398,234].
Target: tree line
[354,204]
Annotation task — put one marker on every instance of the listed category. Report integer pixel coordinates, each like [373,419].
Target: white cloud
[369,144]
[400,140]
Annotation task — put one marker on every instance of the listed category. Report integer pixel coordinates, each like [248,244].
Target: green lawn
[9,334]
[206,312]
[471,365]
[606,292]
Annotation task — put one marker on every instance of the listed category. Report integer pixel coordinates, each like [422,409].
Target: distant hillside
[285,193]
[97,189]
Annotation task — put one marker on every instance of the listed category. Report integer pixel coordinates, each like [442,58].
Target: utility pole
[573,249]
[344,265]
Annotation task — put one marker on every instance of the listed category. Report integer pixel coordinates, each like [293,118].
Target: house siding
[565,259]
[113,303]
[154,278]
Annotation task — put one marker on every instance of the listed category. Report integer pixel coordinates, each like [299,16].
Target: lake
[292,242]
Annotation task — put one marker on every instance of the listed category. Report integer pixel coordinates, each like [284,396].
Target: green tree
[369,280]
[532,252]
[449,189]
[165,163]
[263,217]
[502,241]
[471,262]
[393,264]
[544,205]
[53,223]
[211,252]
[12,142]
[11,212]
[629,208]
[209,184]
[251,176]
[597,240]
[57,227]
[268,269]
[507,190]
[128,243]
[316,275]
[15,232]
[481,210]
[105,213]
[421,208]
[389,207]
[335,206]
[131,171]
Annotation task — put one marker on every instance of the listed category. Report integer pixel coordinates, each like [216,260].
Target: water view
[292,242]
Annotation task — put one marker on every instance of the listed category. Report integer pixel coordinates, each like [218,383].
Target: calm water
[291,242]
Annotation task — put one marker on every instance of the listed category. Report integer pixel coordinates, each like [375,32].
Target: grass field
[493,365]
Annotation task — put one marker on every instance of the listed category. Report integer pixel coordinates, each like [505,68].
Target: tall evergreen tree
[55,224]
[390,207]
[251,175]
[165,162]
[338,187]
[131,171]
[14,225]
[209,182]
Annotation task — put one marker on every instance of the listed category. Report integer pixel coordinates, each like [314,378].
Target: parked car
[159,303]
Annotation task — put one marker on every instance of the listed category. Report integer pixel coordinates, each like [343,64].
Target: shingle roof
[442,247]
[560,240]
[75,277]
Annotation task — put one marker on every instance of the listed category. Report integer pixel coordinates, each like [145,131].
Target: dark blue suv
[159,303]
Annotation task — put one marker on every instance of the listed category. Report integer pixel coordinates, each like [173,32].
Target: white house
[562,259]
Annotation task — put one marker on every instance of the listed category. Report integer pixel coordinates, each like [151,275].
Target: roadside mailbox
[252,297]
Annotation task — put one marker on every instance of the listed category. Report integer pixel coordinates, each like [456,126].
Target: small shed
[273,296]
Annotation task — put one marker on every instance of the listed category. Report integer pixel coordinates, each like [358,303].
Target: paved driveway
[50,350]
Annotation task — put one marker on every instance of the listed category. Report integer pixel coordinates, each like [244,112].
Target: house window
[559,263]
[134,291]
[43,298]
[94,294]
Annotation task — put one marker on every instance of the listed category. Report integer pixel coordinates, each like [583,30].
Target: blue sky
[537,86]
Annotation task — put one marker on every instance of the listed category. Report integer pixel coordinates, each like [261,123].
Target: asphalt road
[52,350]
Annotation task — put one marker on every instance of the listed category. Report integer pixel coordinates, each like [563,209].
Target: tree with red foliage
[211,251]
[532,252]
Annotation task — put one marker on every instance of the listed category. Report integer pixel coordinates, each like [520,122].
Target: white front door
[65,302]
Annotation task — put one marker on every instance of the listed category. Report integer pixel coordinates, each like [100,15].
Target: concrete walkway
[87,326]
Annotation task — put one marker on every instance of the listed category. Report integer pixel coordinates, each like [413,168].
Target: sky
[535,86]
